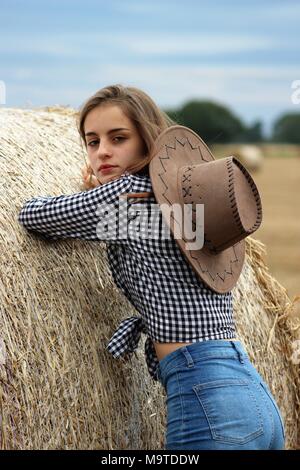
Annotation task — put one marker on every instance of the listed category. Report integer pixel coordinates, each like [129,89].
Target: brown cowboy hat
[184,171]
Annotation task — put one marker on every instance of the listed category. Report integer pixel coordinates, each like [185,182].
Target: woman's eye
[91,144]
[92,141]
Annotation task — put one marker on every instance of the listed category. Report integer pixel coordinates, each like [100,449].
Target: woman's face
[106,145]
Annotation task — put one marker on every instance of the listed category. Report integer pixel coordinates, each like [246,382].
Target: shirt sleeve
[88,215]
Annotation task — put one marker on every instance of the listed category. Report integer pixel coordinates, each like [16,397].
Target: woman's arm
[77,215]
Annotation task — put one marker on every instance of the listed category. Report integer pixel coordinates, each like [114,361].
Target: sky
[241,54]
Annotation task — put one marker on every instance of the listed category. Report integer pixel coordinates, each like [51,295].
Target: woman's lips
[107,169]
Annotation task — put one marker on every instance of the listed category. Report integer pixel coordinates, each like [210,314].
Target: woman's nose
[104,149]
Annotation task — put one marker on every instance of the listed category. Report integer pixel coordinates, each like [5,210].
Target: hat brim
[174,147]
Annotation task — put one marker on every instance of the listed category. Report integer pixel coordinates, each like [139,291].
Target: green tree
[252,133]
[213,122]
[287,128]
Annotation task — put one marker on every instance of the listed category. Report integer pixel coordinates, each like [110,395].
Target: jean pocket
[269,393]
[231,410]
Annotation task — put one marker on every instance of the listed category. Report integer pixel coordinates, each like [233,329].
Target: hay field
[279,184]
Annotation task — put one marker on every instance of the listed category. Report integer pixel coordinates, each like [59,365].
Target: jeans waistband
[195,351]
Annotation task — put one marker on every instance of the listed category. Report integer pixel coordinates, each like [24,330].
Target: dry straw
[60,388]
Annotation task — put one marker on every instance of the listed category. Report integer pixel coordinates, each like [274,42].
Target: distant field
[269,150]
[279,185]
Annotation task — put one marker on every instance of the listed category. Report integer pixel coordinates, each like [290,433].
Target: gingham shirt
[174,305]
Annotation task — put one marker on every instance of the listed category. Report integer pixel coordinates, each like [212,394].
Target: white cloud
[255,13]
[169,85]
[22,73]
[183,73]
[287,11]
[51,45]
[172,44]
[86,44]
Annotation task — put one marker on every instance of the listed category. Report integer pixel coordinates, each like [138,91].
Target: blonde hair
[149,120]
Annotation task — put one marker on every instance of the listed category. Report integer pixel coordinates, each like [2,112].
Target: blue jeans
[217,400]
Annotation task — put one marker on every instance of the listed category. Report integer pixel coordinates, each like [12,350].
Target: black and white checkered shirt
[152,272]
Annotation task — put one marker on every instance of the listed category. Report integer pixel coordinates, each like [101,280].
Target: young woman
[216,399]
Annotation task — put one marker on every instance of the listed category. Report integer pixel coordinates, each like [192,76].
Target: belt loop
[188,357]
[239,352]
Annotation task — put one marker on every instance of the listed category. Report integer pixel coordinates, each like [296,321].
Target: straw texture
[59,387]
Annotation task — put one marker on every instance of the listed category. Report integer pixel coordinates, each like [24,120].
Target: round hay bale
[249,155]
[60,388]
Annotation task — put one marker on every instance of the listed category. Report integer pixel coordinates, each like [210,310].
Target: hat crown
[232,205]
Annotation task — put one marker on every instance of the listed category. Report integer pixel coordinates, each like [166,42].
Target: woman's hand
[89,179]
